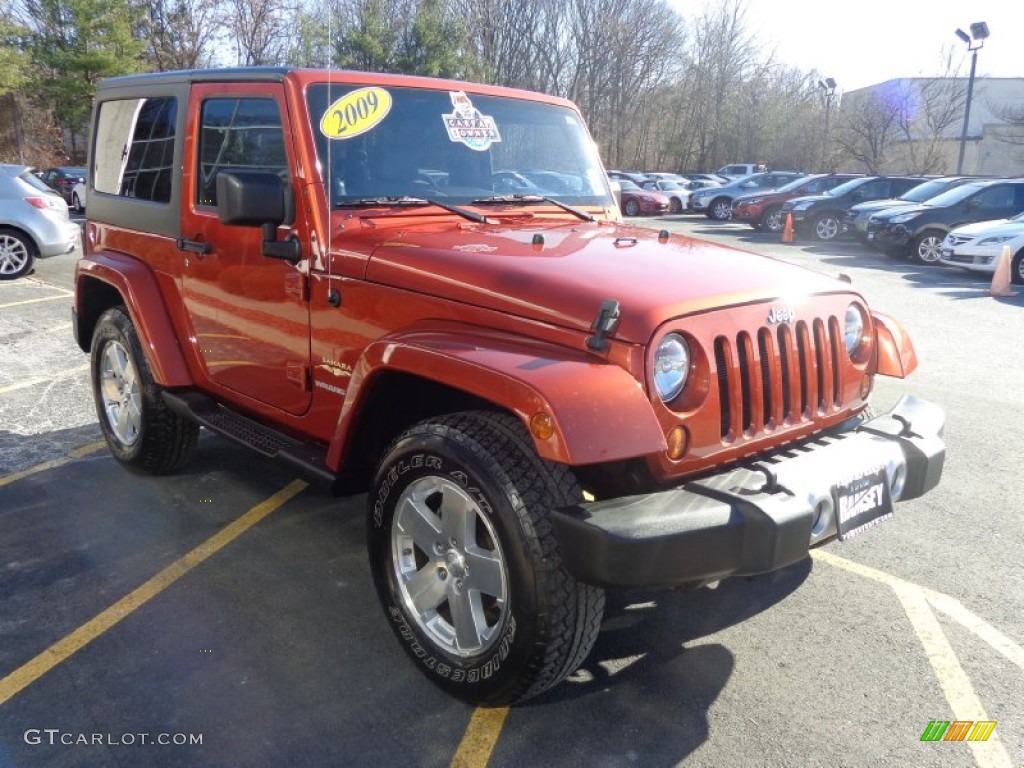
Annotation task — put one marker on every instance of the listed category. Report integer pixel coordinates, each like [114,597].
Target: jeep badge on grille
[781,315]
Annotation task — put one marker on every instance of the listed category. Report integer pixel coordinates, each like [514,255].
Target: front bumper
[751,519]
[889,235]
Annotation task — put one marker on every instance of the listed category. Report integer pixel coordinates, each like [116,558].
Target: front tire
[76,203]
[771,220]
[826,227]
[927,247]
[140,430]
[466,563]
[720,209]
[17,254]
[675,205]
[1017,268]
[632,208]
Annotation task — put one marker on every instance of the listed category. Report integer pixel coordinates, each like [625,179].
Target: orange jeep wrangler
[423,290]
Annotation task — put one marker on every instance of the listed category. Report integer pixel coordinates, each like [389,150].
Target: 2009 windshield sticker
[467,126]
[355,113]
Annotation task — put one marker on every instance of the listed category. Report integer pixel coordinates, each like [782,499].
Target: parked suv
[918,231]
[763,210]
[856,220]
[716,202]
[34,222]
[542,402]
[821,216]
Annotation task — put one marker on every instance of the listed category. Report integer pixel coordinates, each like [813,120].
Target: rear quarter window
[133,156]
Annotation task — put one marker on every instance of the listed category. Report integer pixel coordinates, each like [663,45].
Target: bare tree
[183,34]
[259,30]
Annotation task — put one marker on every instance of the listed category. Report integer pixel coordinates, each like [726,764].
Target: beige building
[914,125]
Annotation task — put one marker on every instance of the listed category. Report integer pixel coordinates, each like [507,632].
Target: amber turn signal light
[678,442]
[542,425]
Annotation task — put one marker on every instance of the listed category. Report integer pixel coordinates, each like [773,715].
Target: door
[249,313]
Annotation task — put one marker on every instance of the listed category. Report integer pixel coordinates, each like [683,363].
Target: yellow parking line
[480,737]
[66,647]
[44,379]
[956,685]
[35,301]
[77,453]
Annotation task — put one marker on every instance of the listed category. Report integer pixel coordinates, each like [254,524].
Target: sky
[863,42]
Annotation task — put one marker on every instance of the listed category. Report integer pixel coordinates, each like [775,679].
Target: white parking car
[977,246]
[78,197]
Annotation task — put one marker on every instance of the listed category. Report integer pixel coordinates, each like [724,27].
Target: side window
[134,153]
[999,196]
[238,134]
[873,190]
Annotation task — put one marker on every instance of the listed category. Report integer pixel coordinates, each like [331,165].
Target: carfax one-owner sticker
[467,126]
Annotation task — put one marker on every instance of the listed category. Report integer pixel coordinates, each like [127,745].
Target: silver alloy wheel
[722,209]
[773,220]
[14,254]
[632,208]
[827,228]
[119,388]
[929,249]
[449,567]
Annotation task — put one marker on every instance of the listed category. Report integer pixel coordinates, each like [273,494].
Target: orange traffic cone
[787,230]
[1001,279]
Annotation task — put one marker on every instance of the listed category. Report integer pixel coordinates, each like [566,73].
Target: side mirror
[258,199]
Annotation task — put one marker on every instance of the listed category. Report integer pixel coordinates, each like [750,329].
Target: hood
[992,228]
[877,205]
[809,199]
[564,281]
[901,210]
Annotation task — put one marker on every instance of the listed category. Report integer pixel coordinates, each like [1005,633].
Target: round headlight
[671,367]
[853,329]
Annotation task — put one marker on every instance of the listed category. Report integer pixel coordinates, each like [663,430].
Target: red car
[642,202]
[763,210]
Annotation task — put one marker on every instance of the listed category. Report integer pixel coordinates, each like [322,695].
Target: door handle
[193,246]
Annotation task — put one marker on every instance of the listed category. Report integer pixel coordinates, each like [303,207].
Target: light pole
[979,31]
[828,85]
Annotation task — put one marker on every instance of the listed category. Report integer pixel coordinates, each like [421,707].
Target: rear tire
[466,563]
[17,254]
[140,430]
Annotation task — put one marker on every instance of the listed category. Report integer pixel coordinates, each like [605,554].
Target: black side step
[308,458]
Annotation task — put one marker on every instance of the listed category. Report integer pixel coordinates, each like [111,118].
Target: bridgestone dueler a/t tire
[486,462]
[165,441]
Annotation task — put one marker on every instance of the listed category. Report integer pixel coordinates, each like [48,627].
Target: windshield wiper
[374,202]
[535,199]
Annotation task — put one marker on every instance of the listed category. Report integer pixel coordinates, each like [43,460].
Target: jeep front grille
[778,375]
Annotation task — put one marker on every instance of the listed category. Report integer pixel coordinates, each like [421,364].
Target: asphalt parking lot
[225,616]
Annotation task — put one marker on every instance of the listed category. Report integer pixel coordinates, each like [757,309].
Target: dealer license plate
[862,502]
[871,235]
[946,252]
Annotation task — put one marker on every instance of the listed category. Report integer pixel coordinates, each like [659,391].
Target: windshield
[377,143]
[955,195]
[849,186]
[797,183]
[35,182]
[925,191]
